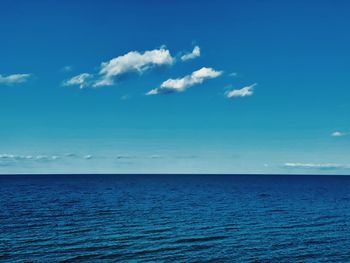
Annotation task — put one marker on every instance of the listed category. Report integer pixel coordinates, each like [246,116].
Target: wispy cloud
[196,52]
[82,80]
[67,69]
[181,84]
[243,92]
[125,97]
[233,74]
[14,157]
[14,78]
[317,165]
[339,134]
[133,61]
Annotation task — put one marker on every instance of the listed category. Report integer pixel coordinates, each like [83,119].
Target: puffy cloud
[243,92]
[14,79]
[196,52]
[133,61]
[340,134]
[317,165]
[82,80]
[181,84]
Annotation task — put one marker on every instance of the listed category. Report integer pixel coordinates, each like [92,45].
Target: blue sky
[176,87]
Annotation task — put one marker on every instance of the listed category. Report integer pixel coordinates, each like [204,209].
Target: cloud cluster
[13,157]
[243,92]
[317,165]
[41,159]
[196,52]
[181,84]
[14,79]
[135,62]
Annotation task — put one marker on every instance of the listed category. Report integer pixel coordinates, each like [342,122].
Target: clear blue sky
[175,87]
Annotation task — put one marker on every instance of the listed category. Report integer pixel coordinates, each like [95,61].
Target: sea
[174,218]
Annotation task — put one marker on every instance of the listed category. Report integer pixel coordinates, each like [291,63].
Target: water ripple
[174,218]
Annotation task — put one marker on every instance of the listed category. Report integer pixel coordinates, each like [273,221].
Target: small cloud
[196,52]
[14,79]
[133,61]
[244,92]
[125,97]
[67,69]
[186,156]
[339,134]
[155,156]
[88,157]
[181,84]
[233,74]
[82,80]
[119,157]
[317,165]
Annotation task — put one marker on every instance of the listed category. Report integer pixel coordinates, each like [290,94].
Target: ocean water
[174,218]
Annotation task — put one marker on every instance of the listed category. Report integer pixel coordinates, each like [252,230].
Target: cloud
[14,78]
[243,92]
[340,134]
[233,74]
[155,156]
[123,157]
[17,159]
[125,97]
[181,84]
[82,80]
[13,157]
[67,69]
[132,62]
[196,52]
[317,165]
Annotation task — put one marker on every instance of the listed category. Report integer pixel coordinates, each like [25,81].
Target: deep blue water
[186,218]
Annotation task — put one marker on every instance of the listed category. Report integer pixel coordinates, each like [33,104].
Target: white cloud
[317,165]
[14,79]
[196,52]
[233,74]
[340,134]
[82,80]
[88,157]
[244,92]
[133,61]
[181,84]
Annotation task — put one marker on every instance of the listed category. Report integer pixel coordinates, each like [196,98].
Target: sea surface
[174,218]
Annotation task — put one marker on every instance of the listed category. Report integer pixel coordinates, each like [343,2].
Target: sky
[175,87]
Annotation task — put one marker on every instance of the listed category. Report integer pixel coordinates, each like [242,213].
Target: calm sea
[181,218]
